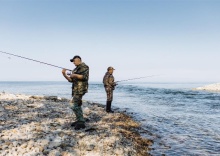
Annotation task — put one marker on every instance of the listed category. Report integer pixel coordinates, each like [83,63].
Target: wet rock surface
[38,125]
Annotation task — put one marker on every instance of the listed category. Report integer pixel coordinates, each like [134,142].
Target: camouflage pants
[109,93]
[77,109]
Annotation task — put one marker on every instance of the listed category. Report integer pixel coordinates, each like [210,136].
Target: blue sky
[177,39]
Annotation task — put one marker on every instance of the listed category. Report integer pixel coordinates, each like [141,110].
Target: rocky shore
[40,126]
[211,87]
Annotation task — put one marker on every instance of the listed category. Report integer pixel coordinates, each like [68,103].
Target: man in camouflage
[79,79]
[109,84]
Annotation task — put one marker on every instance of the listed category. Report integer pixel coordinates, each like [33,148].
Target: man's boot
[111,111]
[80,125]
[108,107]
[74,123]
[80,122]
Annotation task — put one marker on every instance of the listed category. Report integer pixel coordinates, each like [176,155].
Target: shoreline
[31,125]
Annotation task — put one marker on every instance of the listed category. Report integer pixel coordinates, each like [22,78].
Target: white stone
[86,110]
[55,143]
[54,153]
[15,143]
[5,137]
[22,151]
[69,154]
[44,142]
[24,145]
[2,109]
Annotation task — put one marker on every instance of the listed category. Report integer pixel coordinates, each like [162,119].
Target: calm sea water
[179,120]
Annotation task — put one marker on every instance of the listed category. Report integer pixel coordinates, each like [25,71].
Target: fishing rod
[33,60]
[136,78]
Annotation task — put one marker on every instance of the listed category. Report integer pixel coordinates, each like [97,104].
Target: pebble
[54,153]
[90,147]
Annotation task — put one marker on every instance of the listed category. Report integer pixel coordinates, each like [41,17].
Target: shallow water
[180,121]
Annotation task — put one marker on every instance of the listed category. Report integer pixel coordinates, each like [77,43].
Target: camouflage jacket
[80,86]
[108,80]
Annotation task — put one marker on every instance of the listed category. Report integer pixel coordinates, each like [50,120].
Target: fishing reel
[69,73]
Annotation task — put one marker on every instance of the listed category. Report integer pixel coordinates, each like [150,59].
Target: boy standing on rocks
[79,79]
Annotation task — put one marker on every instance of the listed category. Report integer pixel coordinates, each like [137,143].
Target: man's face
[110,71]
[76,61]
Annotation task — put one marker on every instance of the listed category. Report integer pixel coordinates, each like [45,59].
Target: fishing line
[137,78]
